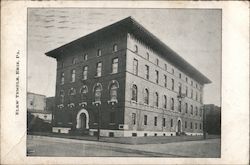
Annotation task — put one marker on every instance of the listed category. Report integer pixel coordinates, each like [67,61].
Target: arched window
[61,94]
[196,111]
[83,92]
[165,101]
[146,96]
[97,92]
[179,106]
[85,72]
[74,61]
[156,99]
[172,103]
[115,48]
[191,109]
[113,90]
[136,48]
[186,107]
[73,75]
[134,93]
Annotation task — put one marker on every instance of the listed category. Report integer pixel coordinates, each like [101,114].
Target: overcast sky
[194,34]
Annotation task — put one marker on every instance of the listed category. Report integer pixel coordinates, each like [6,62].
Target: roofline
[174,57]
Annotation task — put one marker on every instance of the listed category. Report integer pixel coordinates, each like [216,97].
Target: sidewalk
[133,140]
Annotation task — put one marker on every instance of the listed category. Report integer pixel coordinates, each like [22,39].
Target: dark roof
[130,25]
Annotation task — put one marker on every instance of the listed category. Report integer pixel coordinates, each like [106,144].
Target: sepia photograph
[124,82]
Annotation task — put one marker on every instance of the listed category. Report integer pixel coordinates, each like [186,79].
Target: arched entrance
[82,119]
[179,126]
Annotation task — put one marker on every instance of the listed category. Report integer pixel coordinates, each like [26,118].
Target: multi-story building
[126,79]
[212,119]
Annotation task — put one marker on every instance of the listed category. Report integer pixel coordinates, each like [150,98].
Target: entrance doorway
[83,121]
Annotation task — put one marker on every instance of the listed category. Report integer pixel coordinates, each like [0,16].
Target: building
[126,78]
[212,119]
[36,105]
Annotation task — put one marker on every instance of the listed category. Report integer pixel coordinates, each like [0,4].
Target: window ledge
[71,105]
[97,76]
[83,104]
[96,102]
[112,101]
[113,73]
[133,101]
[95,123]
[60,106]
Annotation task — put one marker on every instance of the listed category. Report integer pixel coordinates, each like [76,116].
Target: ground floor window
[145,119]
[133,118]
[171,122]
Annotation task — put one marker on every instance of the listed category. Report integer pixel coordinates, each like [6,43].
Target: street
[51,146]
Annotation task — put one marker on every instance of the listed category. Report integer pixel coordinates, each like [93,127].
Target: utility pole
[99,122]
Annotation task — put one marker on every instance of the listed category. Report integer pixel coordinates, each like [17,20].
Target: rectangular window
[147,56]
[195,125]
[73,75]
[165,101]
[173,84]
[166,67]
[133,118]
[85,57]
[164,122]
[191,125]
[112,117]
[85,72]
[185,124]
[155,121]
[98,69]
[180,75]
[200,126]
[157,61]
[147,71]
[179,88]
[186,91]
[62,78]
[171,123]
[196,96]
[179,106]
[157,76]
[99,52]
[135,67]
[145,119]
[115,65]
[165,81]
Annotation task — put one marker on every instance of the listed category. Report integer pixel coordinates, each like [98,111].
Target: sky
[195,34]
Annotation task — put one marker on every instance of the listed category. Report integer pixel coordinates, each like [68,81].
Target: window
[196,96]
[146,96]
[186,107]
[61,94]
[155,121]
[172,70]
[62,78]
[136,49]
[192,82]
[133,118]
[179,88]
[179,106]
[180,75]
[200,126]
[113,91]
[195,125]
[186,91]
[62,64]
[191,125]
[85,57]
[172,103]
[196,85]
[186,79]
[135,66]
[164,122]
[171,123]
[97,91]
[157,76]
[146,71]
[200,111]
[112,117]
[166,67]
[85,72]
[147,56]
[165,101]
[74,61]
[115,48]
[191,109]
[98,69]
[134,93]
[192,93]
[201,98]
[83,92]
[165,81]
[185,124]
[115,65]
[145,119]
[173,84]
[156,99]
[196,111]
[157,62]
[73,75]
[99,52]
[72,91]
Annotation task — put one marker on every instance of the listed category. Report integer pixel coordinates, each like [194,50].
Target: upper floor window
[83,92]
[196,96]
[99,69]
[133,118]
[192,82]
[171,123]
[186,91]
[186,107]
[61,94]
[135,66]
[97,92]
[115,65]
[115,48]
[85,57]
[145,119]
[73,75]
[196,85]
[62,78]
[166,67]
[134,93]
[191,109]
[191,125]
[155,121]
[200,112]
[192,93]
[172,70]
[157,76]
[164,122]
[201,98]
[74,61]
[196,111]
[165,81]
[156,99]
[186,79]
[113,90]
[147,71]
[62,64]
[146,96]
[135,48]
[147,56]
[99,52]
[195,125]
[179,88]
[72,91]
[157,61]
[179,106]
[172,103]
[85,72]
[185,124]
[172,84]
[165,101]
[180,75]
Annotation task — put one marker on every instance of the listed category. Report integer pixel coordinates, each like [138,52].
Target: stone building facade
[126,79]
